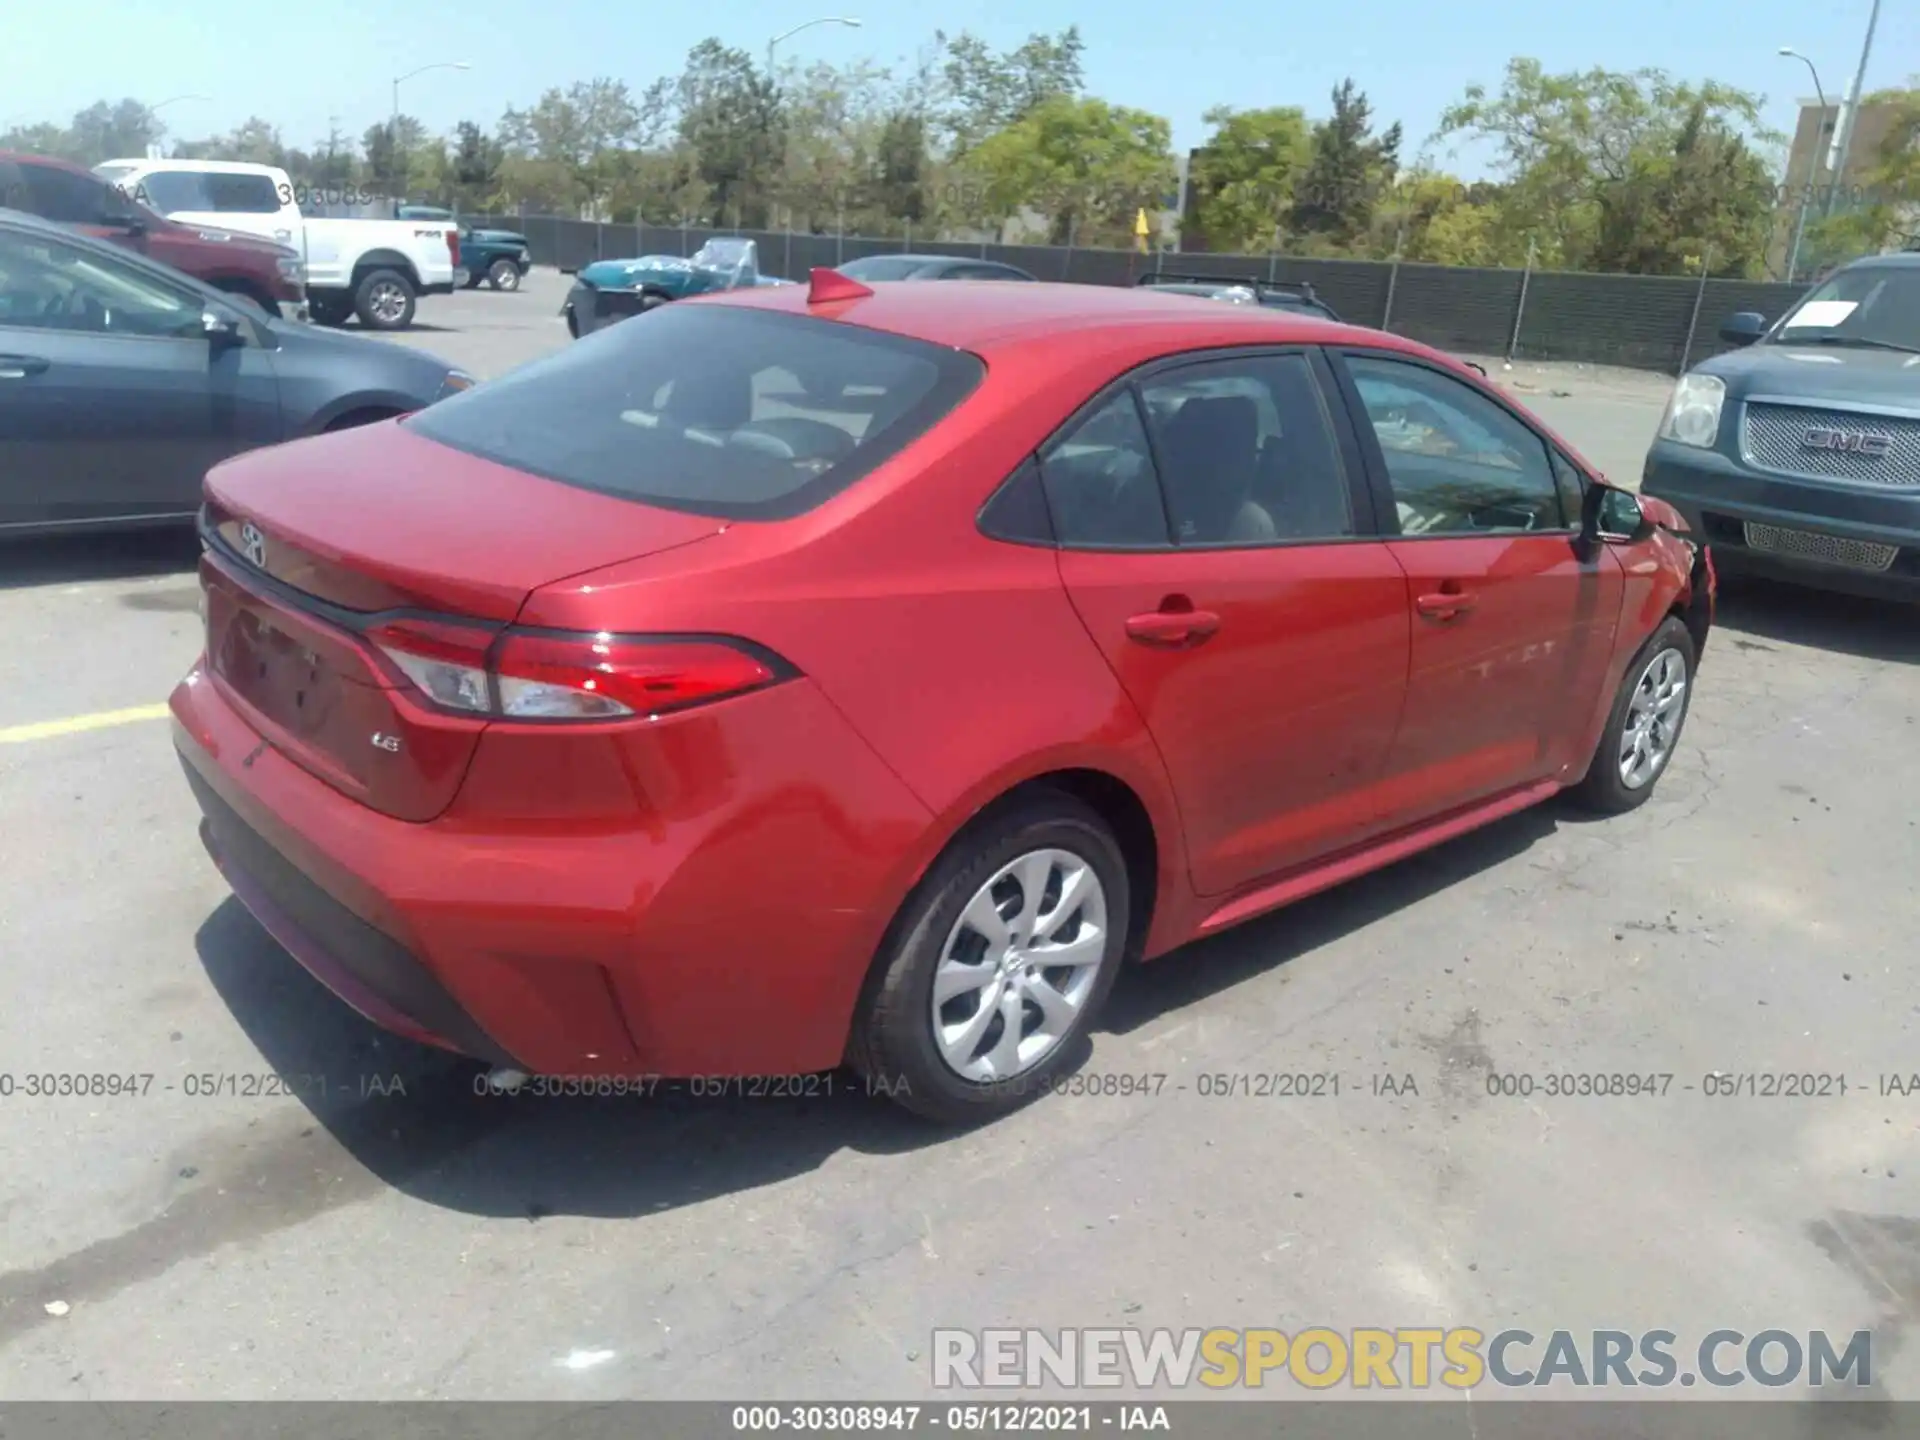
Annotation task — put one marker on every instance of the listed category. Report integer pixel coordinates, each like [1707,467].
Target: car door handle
[18,367]
[1445,604]
[1173,628]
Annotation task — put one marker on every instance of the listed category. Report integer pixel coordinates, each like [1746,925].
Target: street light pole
[1813,162]
[153,146]
[846,20]
[1853,108]
[437,65]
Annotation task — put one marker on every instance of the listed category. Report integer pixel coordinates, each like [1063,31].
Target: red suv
[270,275]
[842,672]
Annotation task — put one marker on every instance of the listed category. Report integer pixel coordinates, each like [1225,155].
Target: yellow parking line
[75,724]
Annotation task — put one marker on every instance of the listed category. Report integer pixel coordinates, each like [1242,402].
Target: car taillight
[445,663]
[453,246]
[542,675]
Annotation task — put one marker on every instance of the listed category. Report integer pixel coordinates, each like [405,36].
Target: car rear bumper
[727,930]
[1846,538]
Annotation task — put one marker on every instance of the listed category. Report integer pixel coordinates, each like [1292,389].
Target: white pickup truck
[375,269]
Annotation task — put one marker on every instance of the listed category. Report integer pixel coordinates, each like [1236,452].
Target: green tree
[112,132]
[730,118]
[1349,169]
[474,166]
[1566,141]
[1241,180]
[985,92]
[1704,195]
[1088,166]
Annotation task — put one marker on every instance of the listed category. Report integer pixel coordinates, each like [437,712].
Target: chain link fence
[1645,322]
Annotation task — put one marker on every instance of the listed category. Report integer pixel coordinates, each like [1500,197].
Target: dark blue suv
[1797,456]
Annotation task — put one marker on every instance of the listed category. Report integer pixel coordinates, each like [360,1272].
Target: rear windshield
[711,409]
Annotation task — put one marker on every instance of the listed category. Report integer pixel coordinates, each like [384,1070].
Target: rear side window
[243,194]
[710,409]
[63,195]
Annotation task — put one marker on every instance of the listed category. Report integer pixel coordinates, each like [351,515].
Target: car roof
[217,167]
[54,162]
[987,315]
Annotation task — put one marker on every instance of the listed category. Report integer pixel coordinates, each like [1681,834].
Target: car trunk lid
[313,546]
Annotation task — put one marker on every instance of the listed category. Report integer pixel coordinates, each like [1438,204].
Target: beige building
[1810,164]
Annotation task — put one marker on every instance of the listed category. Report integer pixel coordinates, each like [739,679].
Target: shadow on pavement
[422,1121]
[411,1114]
[1754,614]
[72,559]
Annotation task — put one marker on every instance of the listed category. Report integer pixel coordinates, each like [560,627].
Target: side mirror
[1744,328]
[1610,516]
[222,329]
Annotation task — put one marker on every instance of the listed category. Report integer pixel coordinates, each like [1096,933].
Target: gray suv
[1797,456]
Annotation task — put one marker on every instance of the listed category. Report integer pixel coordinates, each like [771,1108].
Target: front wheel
[503,275]
[1000,959]
[1643,728]
[384,300]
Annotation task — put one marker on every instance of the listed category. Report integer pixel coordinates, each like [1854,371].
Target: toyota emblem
[253,545]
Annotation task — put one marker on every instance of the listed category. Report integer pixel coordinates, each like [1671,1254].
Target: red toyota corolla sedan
[843,674]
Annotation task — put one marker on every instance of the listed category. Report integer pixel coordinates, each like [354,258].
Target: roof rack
[1303,288]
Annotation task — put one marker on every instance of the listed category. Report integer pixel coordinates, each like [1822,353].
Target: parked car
[501,258]
[610,290]
[869,268]
[1798,455]
[271,275]
[373,269]
[1298,296]
[122,381]
[640,731]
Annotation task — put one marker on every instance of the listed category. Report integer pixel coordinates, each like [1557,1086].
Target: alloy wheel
[1019,965]
[1653,719]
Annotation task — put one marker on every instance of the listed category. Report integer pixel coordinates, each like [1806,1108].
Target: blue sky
[298,65]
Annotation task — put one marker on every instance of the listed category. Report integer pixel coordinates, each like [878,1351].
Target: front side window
[173,192]
[1458,463]
[1099,479]
[46,285]
[1875,306]
[1247,452]
[711,409]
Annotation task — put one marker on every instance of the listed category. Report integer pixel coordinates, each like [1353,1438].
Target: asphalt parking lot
[387,1233]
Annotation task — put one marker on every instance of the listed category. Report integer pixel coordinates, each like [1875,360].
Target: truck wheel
[329,310]
[503,274]
[473,281]
[384,300]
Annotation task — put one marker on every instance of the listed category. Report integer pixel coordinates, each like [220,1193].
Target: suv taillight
[553,675]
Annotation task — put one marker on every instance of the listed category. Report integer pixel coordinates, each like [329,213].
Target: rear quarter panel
[959,659]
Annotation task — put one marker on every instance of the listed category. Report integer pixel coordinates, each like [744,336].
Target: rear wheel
[651,301]
[384,300]
[1643,728]
[503,275]
[997,964]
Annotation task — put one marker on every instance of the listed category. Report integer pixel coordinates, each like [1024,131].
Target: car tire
[330,311]
[651,302]
[503,275]
[384,300]
[1638,728]
[1040,844]
[472,282]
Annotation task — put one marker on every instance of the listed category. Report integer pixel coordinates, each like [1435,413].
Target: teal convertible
[610,290]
